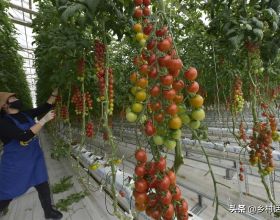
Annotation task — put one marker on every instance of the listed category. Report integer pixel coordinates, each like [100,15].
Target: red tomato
[169,94]
[161,32]
[141,185]
[150,130]
[169,212]
[178,85]
[161,164]
[146,2]
[193,87]
[172,177]
[152,199]
[151,168]
[138,13]
[172,109]
[154,182]
[175,73]
[148,29]
[151,44]
[141,155]
[152,59]
[156,214]
[164,45]
[153,73]
[183,207]
[191,73]
[144,69]
[140,197]
[138,2]
[159,117]
[163,60]
[144,55]
[174,64]
[166,80]
[177,195]
[155,91]
[165,197]
[140,170]
[156,106]
[169,38]
[164,184]
[172,53]
[147,11]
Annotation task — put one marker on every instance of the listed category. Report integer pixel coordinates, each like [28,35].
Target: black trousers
[44,194]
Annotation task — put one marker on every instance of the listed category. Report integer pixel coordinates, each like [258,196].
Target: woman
[22,164]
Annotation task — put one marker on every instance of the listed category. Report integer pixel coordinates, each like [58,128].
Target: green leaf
[71,10]
[236,40]
[231,31]
[258,32]
[92,5]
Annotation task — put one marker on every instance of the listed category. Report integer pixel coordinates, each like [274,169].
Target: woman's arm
[9,130]
[43,109]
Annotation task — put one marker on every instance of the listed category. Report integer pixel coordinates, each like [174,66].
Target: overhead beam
[29,11]
[23,23]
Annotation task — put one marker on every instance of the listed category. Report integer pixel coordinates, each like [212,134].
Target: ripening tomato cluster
[260,144]
[64,114]
[100,51]
[142,8]
[81,68]
[89,129]
[242,132]
[142,11]
[156,191]
[158,78]
[111,92]
[77,100]
[237,96]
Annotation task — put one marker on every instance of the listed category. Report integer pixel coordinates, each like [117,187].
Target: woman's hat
[4,96]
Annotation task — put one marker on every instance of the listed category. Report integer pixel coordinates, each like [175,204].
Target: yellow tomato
[141,96]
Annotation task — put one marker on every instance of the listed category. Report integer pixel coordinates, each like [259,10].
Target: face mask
[16,104]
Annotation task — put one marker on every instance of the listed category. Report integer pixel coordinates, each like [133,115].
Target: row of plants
[12,75]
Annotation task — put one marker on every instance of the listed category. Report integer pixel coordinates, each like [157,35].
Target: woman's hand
[53,97]
[49,116]
[55,92]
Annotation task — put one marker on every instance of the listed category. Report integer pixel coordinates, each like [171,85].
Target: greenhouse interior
[139,109]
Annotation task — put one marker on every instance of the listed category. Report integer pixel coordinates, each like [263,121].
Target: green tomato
[142,42]
[194,124]
[198,114]
[131,117]
[181,109]
[170,144]
[158,140]
[177,134]
[185,119]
